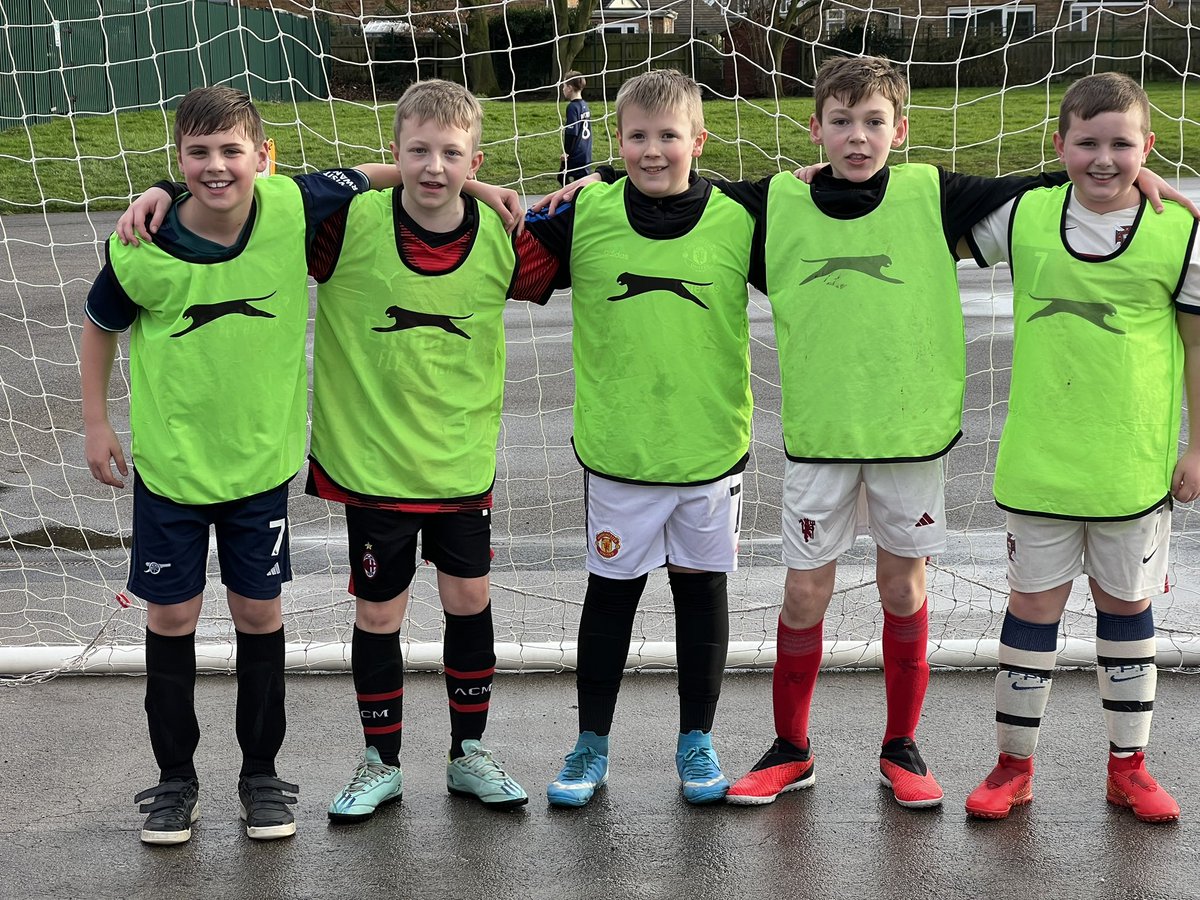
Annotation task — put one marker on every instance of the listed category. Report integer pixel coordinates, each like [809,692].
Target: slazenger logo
[871,266]
[403,319]
[635,285]
[1093,311]
[203,313]
[153,568]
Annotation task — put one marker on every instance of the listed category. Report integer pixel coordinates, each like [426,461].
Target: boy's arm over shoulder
[968,199]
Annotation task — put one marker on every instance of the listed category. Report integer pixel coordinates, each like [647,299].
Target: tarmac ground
[75,752]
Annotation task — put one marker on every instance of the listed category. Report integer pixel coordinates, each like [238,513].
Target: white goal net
[87,91]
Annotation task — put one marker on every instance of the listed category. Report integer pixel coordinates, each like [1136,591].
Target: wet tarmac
[75,752]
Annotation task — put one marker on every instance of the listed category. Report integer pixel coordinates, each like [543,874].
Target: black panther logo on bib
[871,266]
[1094,311]
[636,285]
[403,319]
[203,313]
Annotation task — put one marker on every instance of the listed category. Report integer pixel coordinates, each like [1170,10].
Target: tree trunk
[573,26]
[481,74]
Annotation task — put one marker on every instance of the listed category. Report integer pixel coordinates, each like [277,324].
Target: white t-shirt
[1089,234]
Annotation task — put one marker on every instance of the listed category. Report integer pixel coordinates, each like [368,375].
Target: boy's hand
[808,173]
[505,201]
[1185,482]
[1156,189]
[563,195]
[102,448]
[155,202]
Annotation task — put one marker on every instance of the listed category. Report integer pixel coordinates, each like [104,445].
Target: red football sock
[905,670]
[797,662]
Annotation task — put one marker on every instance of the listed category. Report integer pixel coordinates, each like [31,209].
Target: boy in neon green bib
[658,264]
[218,310]
[1106,336]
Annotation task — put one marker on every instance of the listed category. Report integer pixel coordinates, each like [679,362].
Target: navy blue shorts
[169,562]
[383,547]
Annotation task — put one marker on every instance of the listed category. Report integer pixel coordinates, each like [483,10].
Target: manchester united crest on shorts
[370,565]
[608,544]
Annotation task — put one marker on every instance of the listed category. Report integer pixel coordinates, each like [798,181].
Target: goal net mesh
[87,91]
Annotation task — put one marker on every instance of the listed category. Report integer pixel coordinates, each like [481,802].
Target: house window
[835,19]
[622,28]
[1086,16]
[999,21]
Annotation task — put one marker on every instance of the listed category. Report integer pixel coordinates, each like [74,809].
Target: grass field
[98,162]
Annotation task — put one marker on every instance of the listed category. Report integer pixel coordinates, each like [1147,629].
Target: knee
[380,618]
[805,598]
[464,596]
[902,596]
[252,616]
[174,619]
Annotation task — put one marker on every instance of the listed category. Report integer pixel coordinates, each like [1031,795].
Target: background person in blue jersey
[218,308]
[577,132]
[657,263]
[1106,318]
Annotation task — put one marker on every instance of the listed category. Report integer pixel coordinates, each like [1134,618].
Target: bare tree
[465,24]
[572,26]
[770,24]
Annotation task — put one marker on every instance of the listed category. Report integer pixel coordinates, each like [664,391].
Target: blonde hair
[1105,92]
[852,78]
[448,104]
[663,91]
[207,110]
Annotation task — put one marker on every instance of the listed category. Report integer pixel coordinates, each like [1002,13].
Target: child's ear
[814,129]
[901,132]
[698,145]
[264,157]
[1149,145]
[476,162]
[1059,146]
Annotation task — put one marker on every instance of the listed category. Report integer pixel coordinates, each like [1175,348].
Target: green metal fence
[62,57]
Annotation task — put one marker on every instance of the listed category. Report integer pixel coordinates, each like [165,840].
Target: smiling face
[858,137]
[658,149]
[434,161]
[1103,156]
[219,170]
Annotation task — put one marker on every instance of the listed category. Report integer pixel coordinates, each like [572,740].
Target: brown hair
[575,80]
[448,104]
[208,110]
[1105,92]
[852,78]
[663,91]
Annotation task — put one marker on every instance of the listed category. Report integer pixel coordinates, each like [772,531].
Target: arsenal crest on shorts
[608,544]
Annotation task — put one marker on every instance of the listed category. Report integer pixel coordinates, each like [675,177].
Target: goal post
[87,92]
